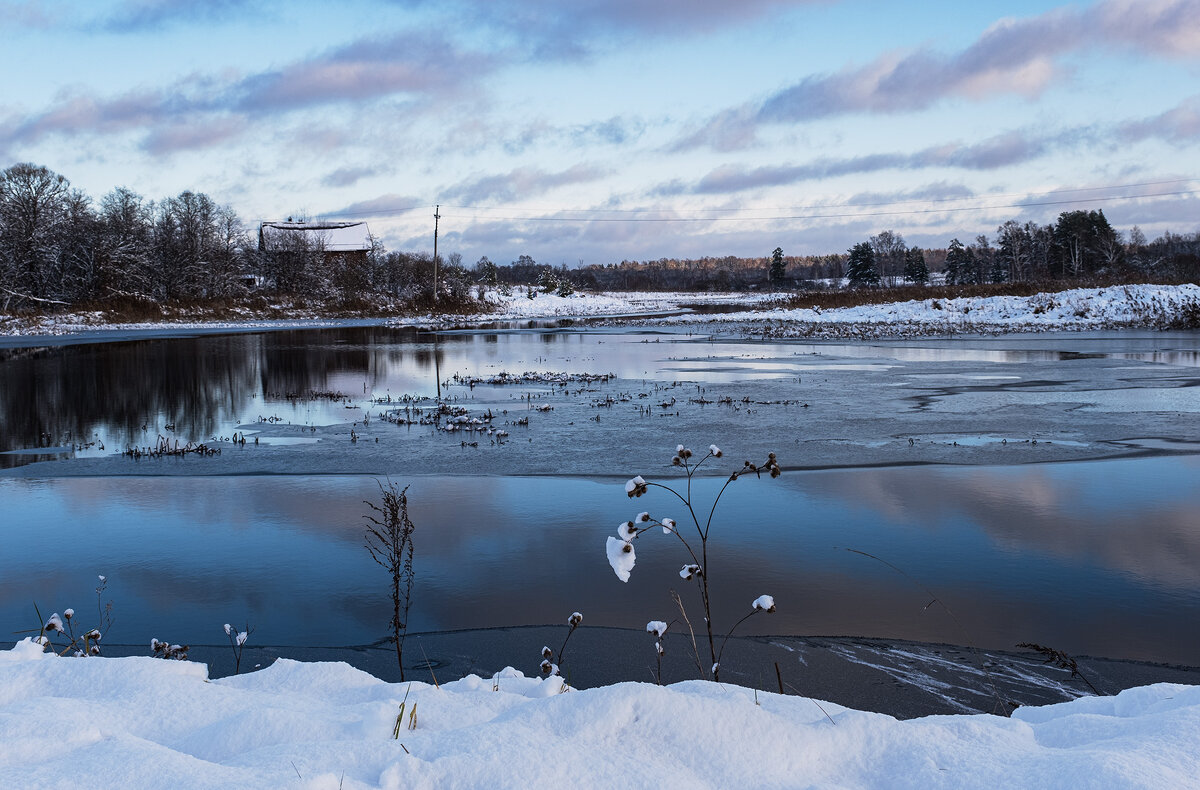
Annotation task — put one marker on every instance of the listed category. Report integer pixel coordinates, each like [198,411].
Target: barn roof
[334,236]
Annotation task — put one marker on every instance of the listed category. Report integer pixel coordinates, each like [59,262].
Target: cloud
[1180,124]
[1169,27]
[940,190]
[187,137]
[551,29]
[520,183]
[348,176]
[404,63]
[391,204]
[416,66]
[1001,150]
[139,15]
[729,130]
[28,14]
[617,130]
[1013,56]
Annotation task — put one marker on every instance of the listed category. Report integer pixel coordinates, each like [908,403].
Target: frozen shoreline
[895,677]
[1081,309]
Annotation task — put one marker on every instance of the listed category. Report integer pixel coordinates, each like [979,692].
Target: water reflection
[1094,558]
[100,398]
[103,397]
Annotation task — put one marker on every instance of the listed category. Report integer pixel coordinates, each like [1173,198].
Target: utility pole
[436,216]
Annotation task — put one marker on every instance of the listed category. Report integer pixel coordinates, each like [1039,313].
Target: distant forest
[59,247]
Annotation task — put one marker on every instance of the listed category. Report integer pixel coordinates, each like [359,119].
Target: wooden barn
[344,245]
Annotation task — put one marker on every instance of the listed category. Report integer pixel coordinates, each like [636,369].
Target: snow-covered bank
[138,722]
[1117,307]
[1146,306]
[518,306]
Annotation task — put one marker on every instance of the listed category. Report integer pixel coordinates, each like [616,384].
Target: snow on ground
[1081,308]
[1156,306]
[145,722]
[518,305]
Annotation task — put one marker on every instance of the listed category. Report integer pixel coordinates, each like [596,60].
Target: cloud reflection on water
[1096,557]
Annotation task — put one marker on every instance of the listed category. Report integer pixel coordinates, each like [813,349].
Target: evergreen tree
[547,281]
[778,267]
[915,270]
[957,263]
[860,269]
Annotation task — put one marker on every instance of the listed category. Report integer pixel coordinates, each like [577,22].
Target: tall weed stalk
[389,540]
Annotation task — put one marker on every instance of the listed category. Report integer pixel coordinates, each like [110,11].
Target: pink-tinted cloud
[1180,124]
[402,65]
[1013,56]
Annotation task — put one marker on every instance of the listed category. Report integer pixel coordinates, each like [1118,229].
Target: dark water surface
[1096,557]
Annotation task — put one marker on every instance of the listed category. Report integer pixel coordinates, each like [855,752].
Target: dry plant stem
[390,543]
[798,694]
[721,652]
[690,470]
[563,649]
[429,666]
[691,632]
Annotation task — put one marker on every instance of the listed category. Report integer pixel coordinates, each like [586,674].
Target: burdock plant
[389,539]
[621,555]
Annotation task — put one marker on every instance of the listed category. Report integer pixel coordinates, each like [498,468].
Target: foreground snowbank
[142,722]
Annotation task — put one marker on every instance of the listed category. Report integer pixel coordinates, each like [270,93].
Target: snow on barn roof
[334,236]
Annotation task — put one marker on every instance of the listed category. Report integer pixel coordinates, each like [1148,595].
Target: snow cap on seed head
[668,525]
[716,451]
[635,487]
[764,602]
[656,627]
[626,530]
[575,619]
[621,557]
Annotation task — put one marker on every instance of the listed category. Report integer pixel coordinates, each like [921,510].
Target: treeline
[1079,246]
[59,247]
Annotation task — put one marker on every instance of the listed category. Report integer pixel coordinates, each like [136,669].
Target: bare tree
[889,248]
[33,215]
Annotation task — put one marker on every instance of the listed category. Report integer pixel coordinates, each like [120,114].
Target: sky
[597,131]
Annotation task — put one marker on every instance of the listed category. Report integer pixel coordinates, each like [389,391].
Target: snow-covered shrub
[168,651]
[622,557]
[237,642]
[62,627]
[551,665]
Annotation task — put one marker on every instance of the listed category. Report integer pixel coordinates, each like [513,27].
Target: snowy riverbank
[133,722]
[1116,307]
